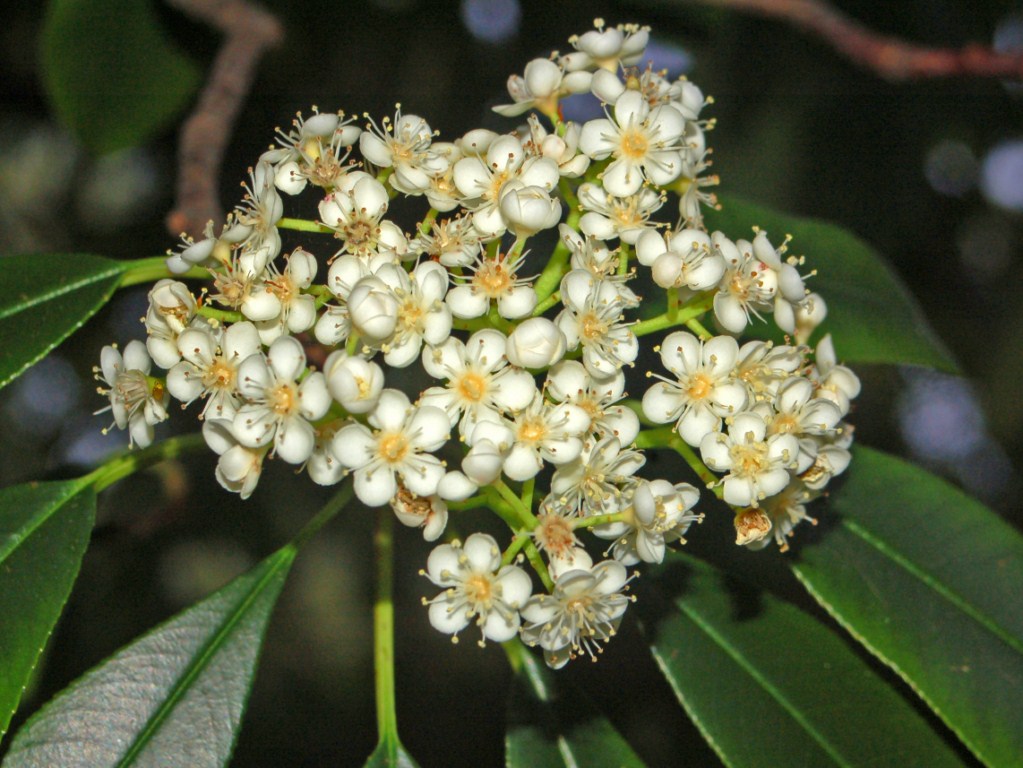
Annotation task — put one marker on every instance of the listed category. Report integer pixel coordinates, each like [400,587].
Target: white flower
[427,512]
[373,310]
[297,309]
[608,216]
[420,313]
[137,402]
[570,382]
[528,210]
[592,484]
[536,343]
[210,367]
[645,143]
[705,390]
[481,181]
[355,212]
[763,366]
[795,411]
[540,432]
[583,611]
[400,446]
[171,310]
[543,82]
[607,48]
[481,384]
[278,407]
[258,213]
[748,285]
[593,318]
[452,242]
[493,280]
[659,513]
[244,291]
[476,586]
[323,467]
[595,257]
[785,511]
[757,465]
[313,151]
[835,382]
[239,466]
[404,146]
[562,149]
[686,258]
[353,381]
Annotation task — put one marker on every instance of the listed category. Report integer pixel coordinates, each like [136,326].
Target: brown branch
[888,56]
[248,31]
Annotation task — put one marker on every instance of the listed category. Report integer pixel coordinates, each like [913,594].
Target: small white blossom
[583,611]
[757,465]
[355,211]
[210,367]
[493,280]
[239,467]
[608,216]
[540,86]
[593,318]
[399,447]
[279,408]
[704,391]
[536,343]
[476,586]
[607,47]
[136,401]
[481,384]
[570,382]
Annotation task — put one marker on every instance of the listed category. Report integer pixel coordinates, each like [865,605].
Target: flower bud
[354,382]
[536,343]
[373,309]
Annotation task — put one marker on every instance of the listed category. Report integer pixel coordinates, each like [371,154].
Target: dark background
[929,172]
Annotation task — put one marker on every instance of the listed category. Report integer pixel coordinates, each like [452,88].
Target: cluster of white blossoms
[482,361]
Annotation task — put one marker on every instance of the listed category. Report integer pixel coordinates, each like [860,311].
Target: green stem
[329,511]
[130,461]
[473,502]
[712,481]
[696,327]
[533,555]
[655,438]
[304,225]
[524,513]
[547,303]
[689,311]
[590,522]
[223,315]
[383,628]
[518,541]
[153,269]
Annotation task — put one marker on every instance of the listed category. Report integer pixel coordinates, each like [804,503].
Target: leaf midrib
[40,519]
[767,686]
[58,291]
[934,584]
[201,661]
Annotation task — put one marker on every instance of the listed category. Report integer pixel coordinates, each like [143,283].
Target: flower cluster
[515,299]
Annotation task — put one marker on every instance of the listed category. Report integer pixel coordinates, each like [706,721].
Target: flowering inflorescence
[528,350]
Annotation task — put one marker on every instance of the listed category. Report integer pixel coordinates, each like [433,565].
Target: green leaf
[112,75]
[390,755]
[44,298]
[44,532]
[768,685]
[929,580]
[172,698]
[550,728]
[871,315]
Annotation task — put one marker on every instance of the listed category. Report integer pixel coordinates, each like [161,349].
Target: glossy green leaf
[930,581]
[110,72]
[44,532]
[44,298]
[549,727]
[768,685]
[390,755]
[173,698]
[871,315]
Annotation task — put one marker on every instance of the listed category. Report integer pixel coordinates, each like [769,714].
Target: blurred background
[928,172]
